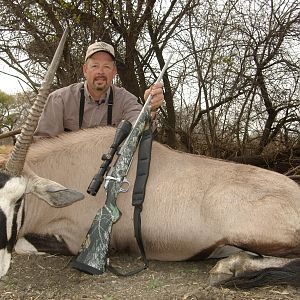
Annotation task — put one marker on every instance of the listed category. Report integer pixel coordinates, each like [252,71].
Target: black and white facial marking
[12,190]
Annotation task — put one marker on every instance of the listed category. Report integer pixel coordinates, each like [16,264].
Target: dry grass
[51,277]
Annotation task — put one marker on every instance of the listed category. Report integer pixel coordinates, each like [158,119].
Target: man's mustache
[101,77]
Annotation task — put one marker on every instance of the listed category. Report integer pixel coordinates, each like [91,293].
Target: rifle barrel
[146,105]
[159,78]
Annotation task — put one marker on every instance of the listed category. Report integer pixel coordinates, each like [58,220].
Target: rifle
[92,257]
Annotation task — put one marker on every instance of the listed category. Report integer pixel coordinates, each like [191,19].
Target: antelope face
[12,193]
[12,190]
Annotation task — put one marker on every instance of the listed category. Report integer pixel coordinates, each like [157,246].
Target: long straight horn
[15,164]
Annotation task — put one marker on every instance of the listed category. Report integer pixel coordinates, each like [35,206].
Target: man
[97,102]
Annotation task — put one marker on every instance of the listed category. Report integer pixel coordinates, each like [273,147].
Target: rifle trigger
[124,190]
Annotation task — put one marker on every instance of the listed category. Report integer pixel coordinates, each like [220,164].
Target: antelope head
[17,180]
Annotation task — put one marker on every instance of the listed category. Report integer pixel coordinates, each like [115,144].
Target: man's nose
[100,70]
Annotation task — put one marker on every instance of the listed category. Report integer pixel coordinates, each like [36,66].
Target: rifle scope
[122,132]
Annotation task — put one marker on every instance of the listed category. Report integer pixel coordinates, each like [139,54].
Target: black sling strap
[139,190]
[109,108]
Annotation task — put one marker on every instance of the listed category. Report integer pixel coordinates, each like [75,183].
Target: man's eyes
[108,67]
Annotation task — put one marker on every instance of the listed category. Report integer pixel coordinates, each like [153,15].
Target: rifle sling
[143,165]
[139,190]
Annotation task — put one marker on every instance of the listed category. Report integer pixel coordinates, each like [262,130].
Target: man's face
[99,71]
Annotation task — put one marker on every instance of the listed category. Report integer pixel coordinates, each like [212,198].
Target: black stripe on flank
[14,231]
[3,235]
[3,179]
[48,243]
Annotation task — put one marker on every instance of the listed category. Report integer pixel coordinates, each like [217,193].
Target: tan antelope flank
[195,208]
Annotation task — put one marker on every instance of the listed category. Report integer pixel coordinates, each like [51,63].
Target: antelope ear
[52,192]
[55,194]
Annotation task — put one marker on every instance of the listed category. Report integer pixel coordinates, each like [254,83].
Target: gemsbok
[195,207]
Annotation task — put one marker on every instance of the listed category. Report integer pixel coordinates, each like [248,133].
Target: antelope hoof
[217,279]
[229,267]
[219,273]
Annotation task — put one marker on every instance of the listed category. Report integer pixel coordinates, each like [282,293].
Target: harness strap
[81,107]
[110,106]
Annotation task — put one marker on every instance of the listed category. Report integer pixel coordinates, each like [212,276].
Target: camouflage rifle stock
[92,257]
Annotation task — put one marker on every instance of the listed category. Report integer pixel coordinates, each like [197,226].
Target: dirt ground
[51,277]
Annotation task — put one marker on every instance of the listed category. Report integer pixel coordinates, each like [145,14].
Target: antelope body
[189,212]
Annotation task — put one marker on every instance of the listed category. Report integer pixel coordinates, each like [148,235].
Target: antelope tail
[286,275]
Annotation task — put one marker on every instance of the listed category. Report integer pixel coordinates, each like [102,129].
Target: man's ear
[84,67]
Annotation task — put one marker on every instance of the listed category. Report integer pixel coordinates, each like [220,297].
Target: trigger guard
[124,190]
